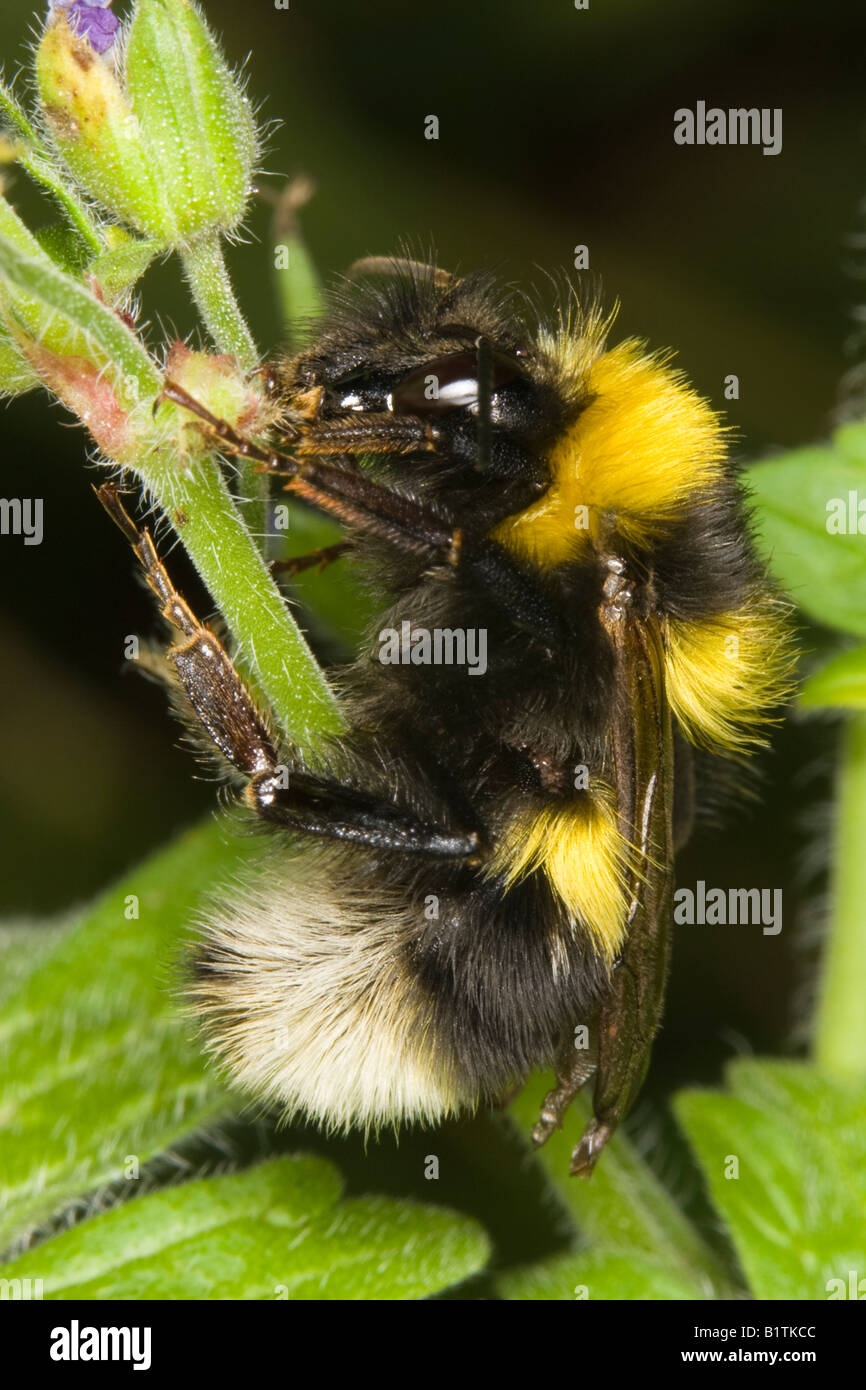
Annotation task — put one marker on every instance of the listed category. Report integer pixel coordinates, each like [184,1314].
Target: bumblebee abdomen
[301,982]
[337,996]
[510,974]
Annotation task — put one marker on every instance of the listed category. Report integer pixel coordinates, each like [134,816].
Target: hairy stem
[32,156]
[840,1035]
[298,288]
[205,269]
[201,510]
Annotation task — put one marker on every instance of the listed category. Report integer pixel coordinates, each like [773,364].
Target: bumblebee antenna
[399,265]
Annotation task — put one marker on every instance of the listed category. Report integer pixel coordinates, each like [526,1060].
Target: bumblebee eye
[449,383]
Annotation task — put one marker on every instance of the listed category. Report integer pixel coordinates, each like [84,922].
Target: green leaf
[274,1231]
[119,268]
[797,497]
[299,289]
[622,1208]
[15,375]
[22,944]
[97,1062]
[65,248]
[58,318]
[795,1201]
[600,1274]
[841,684]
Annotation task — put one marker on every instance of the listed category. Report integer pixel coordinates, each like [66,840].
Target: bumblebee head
[405,342]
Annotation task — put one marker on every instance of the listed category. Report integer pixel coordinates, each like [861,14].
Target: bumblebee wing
[643,762]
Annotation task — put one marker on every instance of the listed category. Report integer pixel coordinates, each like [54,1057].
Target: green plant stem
[298,288]
[205,269]
[195,499]
[40,170]
[840,1034]
[202,511]
[67,317]
[15,116]
[840,1040]
[33,158]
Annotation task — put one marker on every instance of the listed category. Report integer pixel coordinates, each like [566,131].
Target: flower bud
[167,142]
[216,381]
[64,336]
[92,19]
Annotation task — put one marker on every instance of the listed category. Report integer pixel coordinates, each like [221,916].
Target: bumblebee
[476,880]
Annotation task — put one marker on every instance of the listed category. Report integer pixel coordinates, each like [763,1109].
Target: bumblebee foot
[573,1070]
[553,1110]
[585,1156]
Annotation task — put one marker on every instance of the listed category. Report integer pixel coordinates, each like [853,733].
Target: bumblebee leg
[354,499]
[215,690]
[228,713]
[359,502]
[573,1069]
[368,434]
[226,433]
[296,564]
[341,491]
[347,434]
[319,806]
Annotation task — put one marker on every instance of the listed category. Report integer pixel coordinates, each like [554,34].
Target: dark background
[556,128]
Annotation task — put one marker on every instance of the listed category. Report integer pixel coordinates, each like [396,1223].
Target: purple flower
[92,19]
